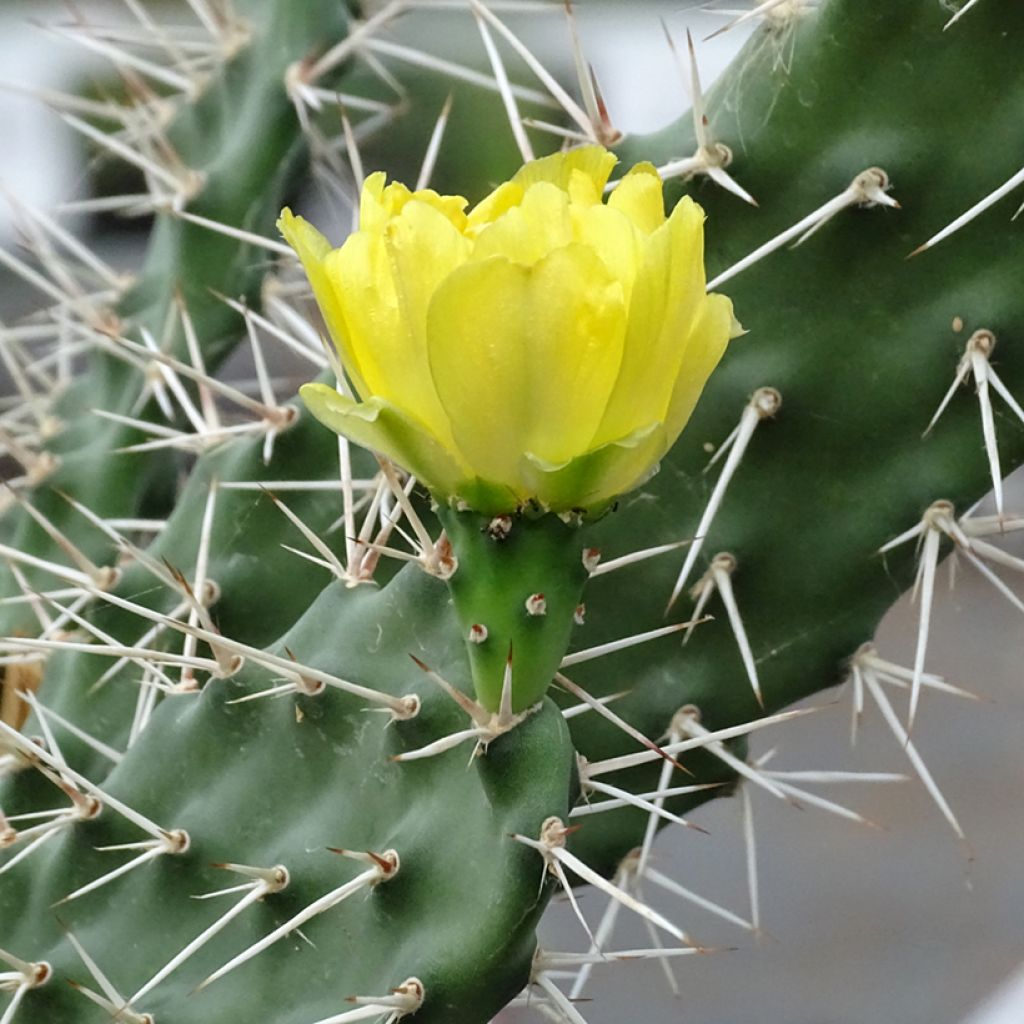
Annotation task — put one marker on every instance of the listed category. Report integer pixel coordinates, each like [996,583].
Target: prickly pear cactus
[364,742]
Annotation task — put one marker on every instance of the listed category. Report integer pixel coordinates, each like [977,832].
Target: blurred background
[900,923]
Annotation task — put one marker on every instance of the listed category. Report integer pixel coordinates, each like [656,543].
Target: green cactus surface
[517,592]
[236,148]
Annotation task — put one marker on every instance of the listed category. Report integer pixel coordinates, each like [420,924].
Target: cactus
[245,757]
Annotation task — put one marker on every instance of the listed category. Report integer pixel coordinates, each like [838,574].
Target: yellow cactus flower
[544,346]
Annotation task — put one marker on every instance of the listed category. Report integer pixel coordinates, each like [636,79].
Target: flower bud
[544,347]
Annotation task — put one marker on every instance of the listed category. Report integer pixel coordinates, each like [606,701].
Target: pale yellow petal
[382,427]
[309,244]
[583,188]
[452,208]
[360,278]
[479,363]
[313,249]
[705,346]
[528,232]
[373,212]
[593,161]
[384,284]
[394,197]
[574,335]
[581,173]
[423,247]
[524,358]
[491,207]
[613,237]
[686,277]
[667,295]
[597,477]
[639,196]
[380,201]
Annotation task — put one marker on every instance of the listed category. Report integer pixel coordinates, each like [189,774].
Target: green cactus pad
[273,782]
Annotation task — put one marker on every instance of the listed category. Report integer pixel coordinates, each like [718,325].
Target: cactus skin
[255,781]
[240,135]
[860,382]
[522,579]
[843,467]
[248,532]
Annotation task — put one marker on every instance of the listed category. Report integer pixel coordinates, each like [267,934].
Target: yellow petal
[704,347]
[545,346]
[478,362]
[639,197]
[423,247]
[312,249]
[597,477]
[528,232]
[574,336]
[308,243]
[359,276]
[523,358]
[667,295]
[612,236]
[380,426]
[684,230]
[380,202]
[583,189]
[579,173]
[491,207]
[373,212]
[384,284]
[593,161]
[453,208]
